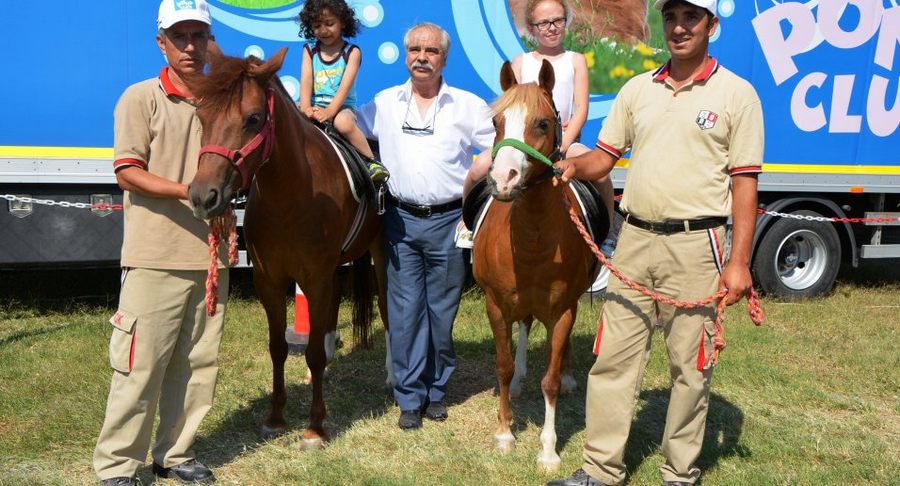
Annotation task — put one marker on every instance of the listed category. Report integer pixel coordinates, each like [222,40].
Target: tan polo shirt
[157,129]
[685,144]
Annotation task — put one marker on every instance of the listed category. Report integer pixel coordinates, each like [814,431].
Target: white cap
[707,4]
[173,11]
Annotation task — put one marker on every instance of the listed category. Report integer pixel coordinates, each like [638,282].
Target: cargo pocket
[707,346]
[121,343]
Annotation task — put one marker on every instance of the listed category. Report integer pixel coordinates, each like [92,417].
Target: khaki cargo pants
[164,352]
[681,265]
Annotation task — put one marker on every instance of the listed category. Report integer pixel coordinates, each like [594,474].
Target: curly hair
[312,11]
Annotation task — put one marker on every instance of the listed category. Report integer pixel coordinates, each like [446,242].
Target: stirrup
[379,198]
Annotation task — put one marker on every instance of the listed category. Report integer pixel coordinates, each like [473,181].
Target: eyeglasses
[544,25]
[426,130]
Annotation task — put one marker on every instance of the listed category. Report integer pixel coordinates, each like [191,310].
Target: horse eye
[252,121]
[543,124]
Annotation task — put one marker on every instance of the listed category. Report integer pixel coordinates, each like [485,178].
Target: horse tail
[362,292]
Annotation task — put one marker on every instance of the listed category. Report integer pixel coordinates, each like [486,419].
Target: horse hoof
[313,444]
[548,463]
[505,443]
[515,391]
[269,433]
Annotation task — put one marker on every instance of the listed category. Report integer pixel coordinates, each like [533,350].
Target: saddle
[479,200]
[361,186]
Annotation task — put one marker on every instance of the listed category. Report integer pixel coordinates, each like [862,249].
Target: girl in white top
[547,21]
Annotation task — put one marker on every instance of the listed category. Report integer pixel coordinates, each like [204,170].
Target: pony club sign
[706,119]
[814,49]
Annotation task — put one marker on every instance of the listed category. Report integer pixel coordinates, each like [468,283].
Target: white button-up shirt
[427,168]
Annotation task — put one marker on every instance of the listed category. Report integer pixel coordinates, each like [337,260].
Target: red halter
[237,157]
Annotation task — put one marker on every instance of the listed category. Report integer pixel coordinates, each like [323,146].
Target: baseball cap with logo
[707,4]
[173,11]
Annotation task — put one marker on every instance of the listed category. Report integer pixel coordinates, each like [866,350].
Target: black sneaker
[118,481]
[410,420]
[578,478]
[436,411]
[191,471]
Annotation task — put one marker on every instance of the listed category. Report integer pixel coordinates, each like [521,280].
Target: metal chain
[62,204]
[824,219]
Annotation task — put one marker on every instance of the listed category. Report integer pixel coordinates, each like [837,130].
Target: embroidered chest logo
[706,119]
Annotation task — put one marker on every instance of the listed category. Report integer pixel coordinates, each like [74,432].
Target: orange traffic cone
[298,336]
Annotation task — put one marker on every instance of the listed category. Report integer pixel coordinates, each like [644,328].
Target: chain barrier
[62,204]
[825,219]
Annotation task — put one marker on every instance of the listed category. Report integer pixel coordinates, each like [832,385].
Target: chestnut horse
[300,210]
[528,256]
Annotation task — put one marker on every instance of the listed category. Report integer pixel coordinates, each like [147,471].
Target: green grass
[810,398]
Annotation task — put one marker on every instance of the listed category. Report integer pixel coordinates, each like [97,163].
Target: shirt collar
[712,67]
[405,92]
[166,84]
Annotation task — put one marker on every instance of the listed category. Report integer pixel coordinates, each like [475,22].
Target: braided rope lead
[704,360]
[218,228]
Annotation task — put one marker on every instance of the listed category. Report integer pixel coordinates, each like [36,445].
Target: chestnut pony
[299,212]
[528,257]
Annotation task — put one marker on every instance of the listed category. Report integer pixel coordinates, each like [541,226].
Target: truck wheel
[797,258]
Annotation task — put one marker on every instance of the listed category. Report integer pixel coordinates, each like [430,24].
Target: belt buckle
[426,211]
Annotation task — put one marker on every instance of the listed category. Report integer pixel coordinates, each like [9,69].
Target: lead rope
[218,227]
[704,360]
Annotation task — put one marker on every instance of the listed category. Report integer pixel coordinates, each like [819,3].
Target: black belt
[423,210]
[678,225]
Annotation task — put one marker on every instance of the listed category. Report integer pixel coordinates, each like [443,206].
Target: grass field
[811,398]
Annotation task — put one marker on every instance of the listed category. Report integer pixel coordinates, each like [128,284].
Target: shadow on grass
[724,424]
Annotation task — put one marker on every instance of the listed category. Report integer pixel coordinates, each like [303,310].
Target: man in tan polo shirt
[164,348]
[695,133]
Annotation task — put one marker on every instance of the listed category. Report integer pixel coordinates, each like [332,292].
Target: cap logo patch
[706,119]
[185,4]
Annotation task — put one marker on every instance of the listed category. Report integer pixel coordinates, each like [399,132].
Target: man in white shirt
[427,133]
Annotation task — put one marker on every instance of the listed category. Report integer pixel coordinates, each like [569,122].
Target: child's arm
[581,94]
[353,61]
[306,83]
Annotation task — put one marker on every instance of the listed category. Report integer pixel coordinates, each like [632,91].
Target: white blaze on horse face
[509,165]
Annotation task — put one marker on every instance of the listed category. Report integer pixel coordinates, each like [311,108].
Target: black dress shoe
[186,472]
[436,411]
[410,419]
[578,478]
[118,481]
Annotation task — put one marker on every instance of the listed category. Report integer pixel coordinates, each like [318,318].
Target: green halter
[522,147]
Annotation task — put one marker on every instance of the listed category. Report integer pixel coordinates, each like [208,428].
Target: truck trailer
[825,71]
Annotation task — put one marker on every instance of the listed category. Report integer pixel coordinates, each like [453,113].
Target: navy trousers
[425,275]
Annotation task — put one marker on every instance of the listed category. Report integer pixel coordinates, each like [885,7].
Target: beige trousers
[684,266]
[164,353]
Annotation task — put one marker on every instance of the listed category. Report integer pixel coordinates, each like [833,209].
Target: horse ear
[270,67]
[507,76]
[546,77]
[213,53]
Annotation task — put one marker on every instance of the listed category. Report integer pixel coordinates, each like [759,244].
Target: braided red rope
[218,227]
[703,360]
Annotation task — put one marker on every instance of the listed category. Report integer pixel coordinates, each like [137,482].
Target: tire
[798,259]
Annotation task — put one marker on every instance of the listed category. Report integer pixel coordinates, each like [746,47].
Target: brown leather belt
[422,210]
[677,225]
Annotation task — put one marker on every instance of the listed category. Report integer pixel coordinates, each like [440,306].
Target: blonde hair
[532,4]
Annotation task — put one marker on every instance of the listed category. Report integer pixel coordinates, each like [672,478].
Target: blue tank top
[327,75]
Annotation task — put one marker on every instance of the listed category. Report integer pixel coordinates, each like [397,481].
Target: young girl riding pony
[328,73]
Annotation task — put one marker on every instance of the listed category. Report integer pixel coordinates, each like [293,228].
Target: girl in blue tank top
[328,73]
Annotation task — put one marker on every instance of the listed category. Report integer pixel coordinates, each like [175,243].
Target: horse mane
[528,94]
[223,84]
